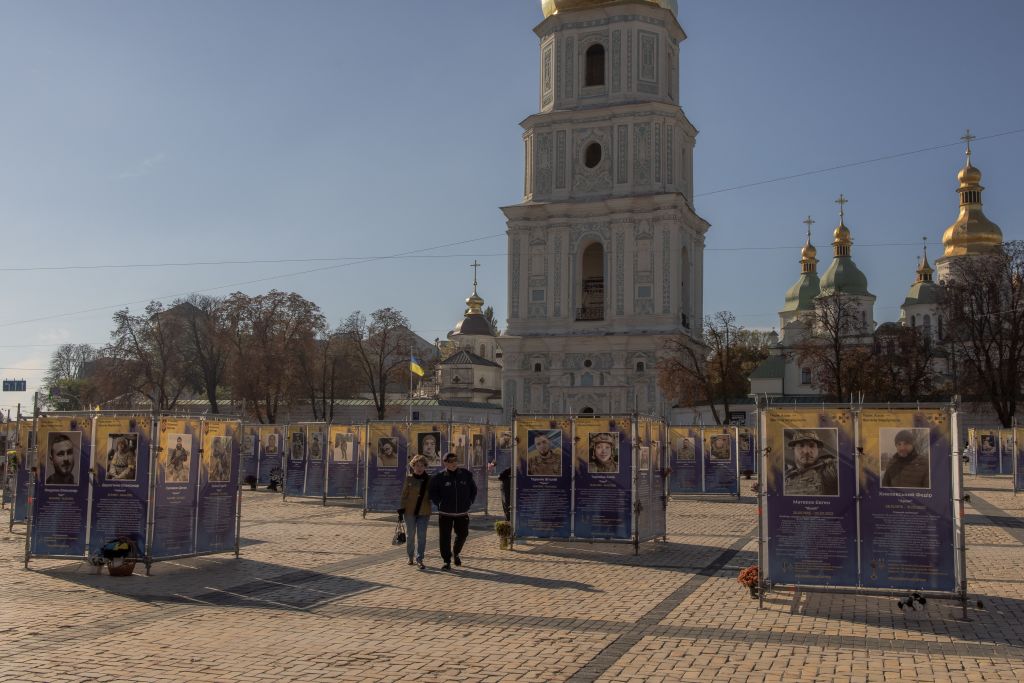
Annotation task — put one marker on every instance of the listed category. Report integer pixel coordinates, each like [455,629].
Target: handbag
[399,537]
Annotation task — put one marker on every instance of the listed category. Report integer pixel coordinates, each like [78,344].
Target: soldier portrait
[343,447]
[176,466]
[387,452]
[298,446]
[645,458]
[477,459]
[905,461]
[746,443]
[220,459]
[270,448]
[811,462]
[684,449]
[504,441]
[61,465]
[544,453]
[604,453]
[719,447]
[316,449]
[122,459]
[249,439]
[428,444]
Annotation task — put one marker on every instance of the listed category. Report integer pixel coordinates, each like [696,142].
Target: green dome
[800,297]
[843,275]
[926,292]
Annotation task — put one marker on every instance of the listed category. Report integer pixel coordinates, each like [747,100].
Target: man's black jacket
[453,492]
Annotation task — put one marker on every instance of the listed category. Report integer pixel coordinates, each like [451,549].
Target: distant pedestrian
[415,509]
[453,491]
[506,492]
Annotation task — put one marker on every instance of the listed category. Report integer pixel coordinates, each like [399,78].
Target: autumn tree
[65,383]
[264,334]
[983,310]
[147,354]
[381,345]
[902,367]
[837,345]
[205,345]
[716,371]
[328,370]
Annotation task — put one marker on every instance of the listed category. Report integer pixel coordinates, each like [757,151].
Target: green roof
[773,367]
[800,297]
[926,292]
[844,276]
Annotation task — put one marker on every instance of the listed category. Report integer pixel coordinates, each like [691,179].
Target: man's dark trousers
[445,524]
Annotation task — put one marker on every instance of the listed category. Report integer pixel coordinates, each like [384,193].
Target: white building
[605,251]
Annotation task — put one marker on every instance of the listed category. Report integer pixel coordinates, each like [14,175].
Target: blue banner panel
[746,448]
[476,462]
[316,467]
[1005,451]
[272,444]
[25,457]
[1018,460]
[120,495]
[62,487]
[218,487]
[387,463]
[295,467]
[686,458]
[906,485]
[811,484]
[501,453]
[543,478]
[720,461]
[177,487]
[986,450]
[604,478]
[343,461]
[249,449]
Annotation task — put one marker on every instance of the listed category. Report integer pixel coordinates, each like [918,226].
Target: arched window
[536,367]
[592,284]
[483,351]
[640,366]
[805,375]
[684,287]
[595,65]
[587,410]
[587,380]
[913,321]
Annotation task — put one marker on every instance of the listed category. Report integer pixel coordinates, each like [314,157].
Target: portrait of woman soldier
[908,467]
[121,457]
[429,447]
[604,453]
[811,466]
[387,452]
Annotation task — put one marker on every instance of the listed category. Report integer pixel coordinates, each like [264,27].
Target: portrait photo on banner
[719,447]
[342,449]
[175,458]
[387,451]
[121,458]
[272,443]
[746,442]
[645,457]
[298,446]
[62,466]
[811,462]
[477,459]
[905,458]
[220,459]
[683,449]
[544,453]
[248,440]
[428,444]
[316,449]
[504,440]
[604,453]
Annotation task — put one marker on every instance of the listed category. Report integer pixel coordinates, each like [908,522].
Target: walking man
[453,491]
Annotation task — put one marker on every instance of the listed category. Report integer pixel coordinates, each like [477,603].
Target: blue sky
[139,133]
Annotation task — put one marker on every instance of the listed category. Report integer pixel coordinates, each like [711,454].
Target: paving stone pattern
[319,594]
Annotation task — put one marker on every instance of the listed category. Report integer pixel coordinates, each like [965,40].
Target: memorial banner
[501,454]
[811,486]
[177,487]
[720,460]
[1018,459]
[906,488]
[120,494]
[746,448]
[1005,451]
[542,478]
[687,457]
[476,462]
[643,486]
[272,440]
[24,447]
[343,462]
[7,464]
[986,449]
[62,486]
[431,441]
[387,463]
[295,468]
[218,487]
[316,468]
[603,486]
[249,450]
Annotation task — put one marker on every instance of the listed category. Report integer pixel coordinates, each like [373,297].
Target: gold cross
[842,201]
[967,137]
[809,222]
[474,265]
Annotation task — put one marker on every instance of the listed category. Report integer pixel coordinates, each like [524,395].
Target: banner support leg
[238,523]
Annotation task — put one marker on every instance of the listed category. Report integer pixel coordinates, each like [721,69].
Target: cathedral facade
[605,251]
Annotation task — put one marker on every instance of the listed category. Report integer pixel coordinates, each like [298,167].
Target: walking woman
[416,509]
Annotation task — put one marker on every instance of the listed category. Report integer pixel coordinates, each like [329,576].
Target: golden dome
[555,6]
[973,232]
[842,235]
[808,252]
[474,303]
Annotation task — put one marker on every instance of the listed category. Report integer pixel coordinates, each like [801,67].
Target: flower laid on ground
[749,577]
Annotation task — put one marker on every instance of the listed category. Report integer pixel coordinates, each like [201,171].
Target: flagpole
[410,386]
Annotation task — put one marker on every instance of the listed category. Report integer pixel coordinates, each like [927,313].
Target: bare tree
[206,348]
[836,345]
[65,384]
[983,309]
[264,332]
[713,373]
[328,370]
[902,367]
[381,346]
[148,354]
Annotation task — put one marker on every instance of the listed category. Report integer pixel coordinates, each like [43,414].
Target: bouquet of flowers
[749,576]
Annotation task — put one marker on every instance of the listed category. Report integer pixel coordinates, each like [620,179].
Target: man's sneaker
[446,568]
[458,561]
[411,562]
[422,566]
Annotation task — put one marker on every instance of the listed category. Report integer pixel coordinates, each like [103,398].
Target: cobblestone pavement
[320,595]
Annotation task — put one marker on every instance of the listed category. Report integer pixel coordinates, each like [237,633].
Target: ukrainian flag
[415,367]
